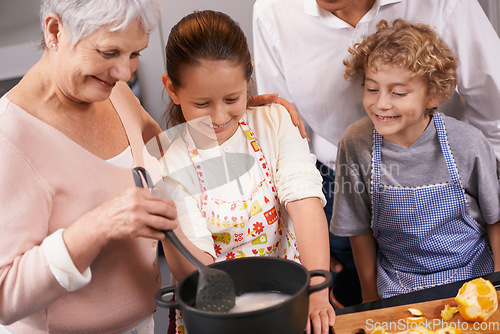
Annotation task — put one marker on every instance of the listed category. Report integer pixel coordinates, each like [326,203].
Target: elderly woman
[78,241]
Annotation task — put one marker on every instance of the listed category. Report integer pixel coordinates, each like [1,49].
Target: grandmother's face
[88,71]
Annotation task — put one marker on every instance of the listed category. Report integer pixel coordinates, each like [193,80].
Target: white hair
[84,17]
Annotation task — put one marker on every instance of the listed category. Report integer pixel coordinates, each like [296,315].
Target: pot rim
[245,313]
[257,311]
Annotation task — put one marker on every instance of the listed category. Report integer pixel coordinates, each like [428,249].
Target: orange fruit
[415,311]
[448,312]
[415,319]
[477,300]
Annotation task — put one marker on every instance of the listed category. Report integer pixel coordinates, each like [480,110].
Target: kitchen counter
[391,311]
[438,292]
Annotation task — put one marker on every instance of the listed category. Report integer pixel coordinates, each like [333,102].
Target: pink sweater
[47,181]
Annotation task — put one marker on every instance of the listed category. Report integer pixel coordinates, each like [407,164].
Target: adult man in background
[299,46]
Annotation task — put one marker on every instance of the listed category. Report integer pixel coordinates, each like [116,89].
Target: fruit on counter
[477,300]
[379,331]
[415,319]
[416,316]
[415,311]
[448,312]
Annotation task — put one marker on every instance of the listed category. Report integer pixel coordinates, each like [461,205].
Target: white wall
[151,64]
[20,36]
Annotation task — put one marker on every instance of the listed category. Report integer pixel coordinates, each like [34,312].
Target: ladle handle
[140,173]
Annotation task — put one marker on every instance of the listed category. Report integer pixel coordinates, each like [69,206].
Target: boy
[416,191]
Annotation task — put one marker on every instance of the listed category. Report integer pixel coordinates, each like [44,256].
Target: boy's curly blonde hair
[412,46]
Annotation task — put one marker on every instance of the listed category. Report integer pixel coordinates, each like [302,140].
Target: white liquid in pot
[252,301]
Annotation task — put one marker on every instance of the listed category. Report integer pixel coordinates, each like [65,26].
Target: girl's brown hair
[203,35]
[413,46]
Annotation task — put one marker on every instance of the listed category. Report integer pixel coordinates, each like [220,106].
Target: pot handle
[163,303]
[320,286]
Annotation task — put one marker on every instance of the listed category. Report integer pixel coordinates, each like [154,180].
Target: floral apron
[425,235]
[248,227]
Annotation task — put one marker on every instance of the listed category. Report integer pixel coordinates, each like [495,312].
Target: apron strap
[375,181]
[127,107]
[445,148]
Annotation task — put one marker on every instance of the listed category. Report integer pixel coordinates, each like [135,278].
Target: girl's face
[88,71]
[213,98]
[397,103]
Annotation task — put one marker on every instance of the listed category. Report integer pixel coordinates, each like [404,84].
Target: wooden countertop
[393,311]
[393,319]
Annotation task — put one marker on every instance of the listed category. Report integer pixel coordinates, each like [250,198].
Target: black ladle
[215,291]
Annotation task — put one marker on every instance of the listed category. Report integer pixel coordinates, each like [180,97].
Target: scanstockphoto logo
[229,167]
[216,170]
[355,178]
[431,325]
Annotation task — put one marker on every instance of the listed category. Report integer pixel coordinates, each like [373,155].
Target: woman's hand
[321,313]
[130,214]
[136,213]
[260,100]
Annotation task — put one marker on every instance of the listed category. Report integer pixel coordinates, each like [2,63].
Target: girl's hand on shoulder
[262,100]
[321,313]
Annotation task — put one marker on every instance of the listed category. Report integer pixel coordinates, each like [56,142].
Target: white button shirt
[299,49]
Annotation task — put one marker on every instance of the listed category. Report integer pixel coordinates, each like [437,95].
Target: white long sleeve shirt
[299,49]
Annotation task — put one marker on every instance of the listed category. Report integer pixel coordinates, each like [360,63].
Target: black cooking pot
[255,274]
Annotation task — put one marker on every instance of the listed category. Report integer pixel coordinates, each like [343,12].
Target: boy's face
[397,103]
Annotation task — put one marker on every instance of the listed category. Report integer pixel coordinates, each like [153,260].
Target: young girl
[417,191]
[233,172]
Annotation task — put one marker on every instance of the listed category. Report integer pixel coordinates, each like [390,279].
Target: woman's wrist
[62,265]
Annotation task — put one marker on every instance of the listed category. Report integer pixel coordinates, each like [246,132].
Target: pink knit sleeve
[26,283]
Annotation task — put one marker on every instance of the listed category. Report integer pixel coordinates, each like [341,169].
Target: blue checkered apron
[425,235]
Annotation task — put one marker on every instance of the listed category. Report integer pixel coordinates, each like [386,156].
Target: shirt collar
[311,8]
